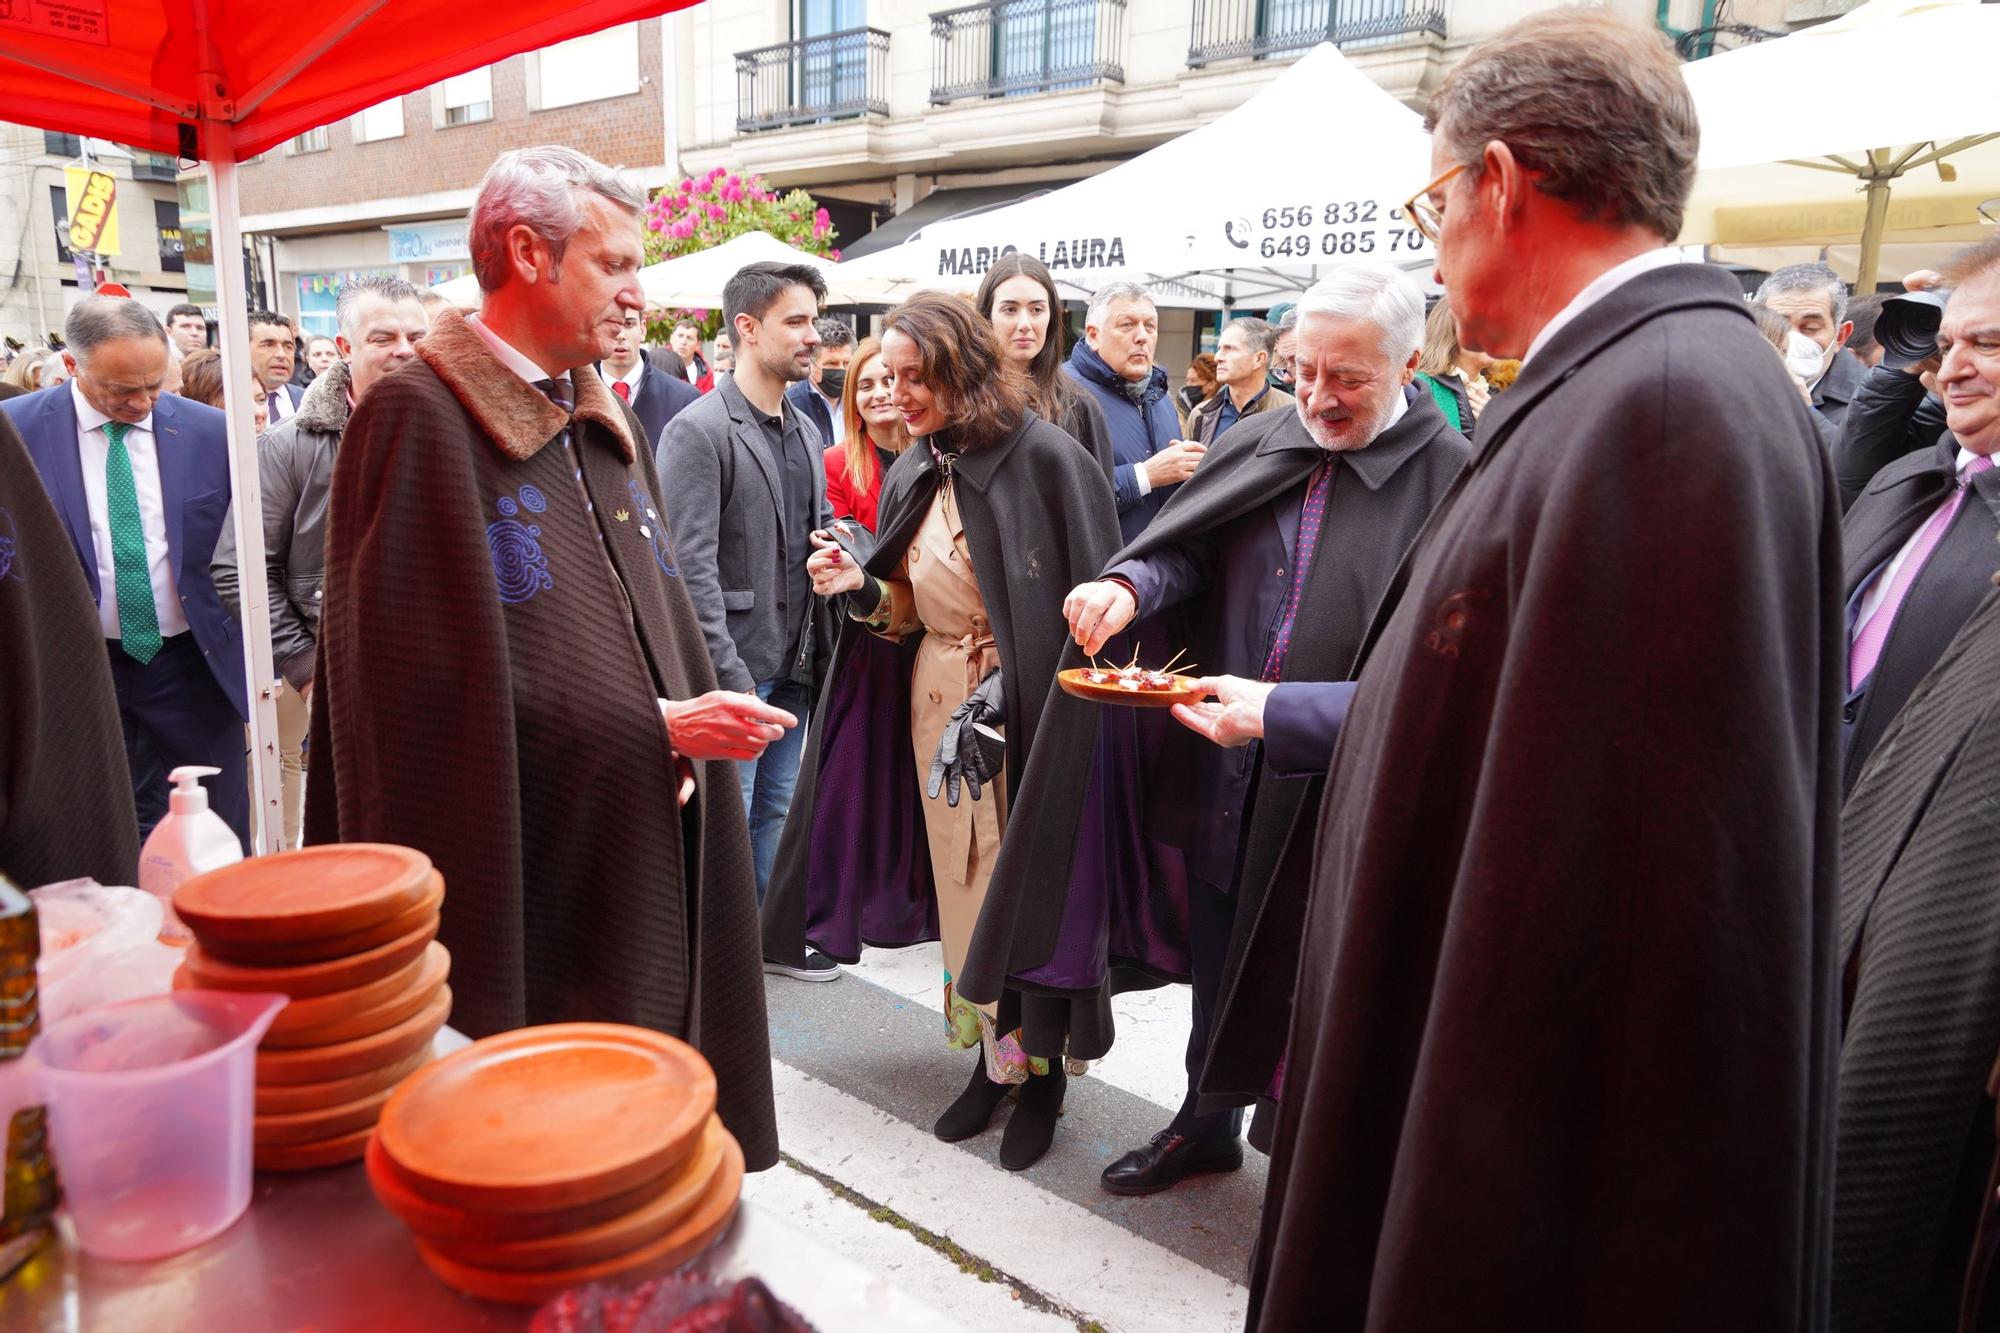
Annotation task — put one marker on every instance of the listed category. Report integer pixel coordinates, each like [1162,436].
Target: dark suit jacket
[658,399]
[294,391]
[724,501]
[194,490]
[1900,499]
[1890,416]
[1836,387]
[812,404]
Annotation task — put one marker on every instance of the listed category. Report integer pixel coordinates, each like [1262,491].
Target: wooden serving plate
[664,1209]
[547,1117]
[306,894]
[366,1020]
[1073,682]
[285,1098]
[318,1011]
[203,972]
[709,1218]
[312,1156]
[323,948]
[318,1064]
[442,1222]
[272,1131]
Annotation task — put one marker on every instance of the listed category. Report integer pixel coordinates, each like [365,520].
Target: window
[312,141]
[62,145]
[468,98]
[167,220]
[59,205]
[602,64]
[155,167]
[830,73]
[384,120]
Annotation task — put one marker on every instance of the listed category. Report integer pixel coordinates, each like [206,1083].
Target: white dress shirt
[630,379]
[94,448]
[286,407]
[511,357]
[1600,287]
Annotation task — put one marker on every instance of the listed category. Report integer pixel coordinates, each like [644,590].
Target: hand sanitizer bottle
[191,839]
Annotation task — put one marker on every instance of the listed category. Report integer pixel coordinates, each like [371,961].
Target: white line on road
[1075,1258]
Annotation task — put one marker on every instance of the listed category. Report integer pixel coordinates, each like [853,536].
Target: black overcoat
[1378,503]
[1920,936]
[1039,519]
[1563,1049]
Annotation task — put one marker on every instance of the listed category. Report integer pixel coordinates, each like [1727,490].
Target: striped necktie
[138,617]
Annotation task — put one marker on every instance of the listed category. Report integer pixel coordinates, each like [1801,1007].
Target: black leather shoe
[973,1110]
[1168,1160]
[1032,1127]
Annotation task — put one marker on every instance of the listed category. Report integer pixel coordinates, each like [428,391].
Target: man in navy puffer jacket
[1115,364]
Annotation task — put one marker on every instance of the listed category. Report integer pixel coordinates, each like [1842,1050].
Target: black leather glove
[971,749]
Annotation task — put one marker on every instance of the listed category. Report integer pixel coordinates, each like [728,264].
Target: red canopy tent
[222,80]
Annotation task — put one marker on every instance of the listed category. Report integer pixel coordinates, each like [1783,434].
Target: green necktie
[138,618]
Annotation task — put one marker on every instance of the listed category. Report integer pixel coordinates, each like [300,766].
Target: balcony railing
[1239,29]
[1011,48]
[813,79]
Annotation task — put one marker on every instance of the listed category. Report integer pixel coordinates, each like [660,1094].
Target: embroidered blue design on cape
[520,567]
[663,550]
[9,547]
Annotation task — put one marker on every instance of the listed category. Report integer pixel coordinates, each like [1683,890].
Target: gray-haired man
[380,319]
[1115,366]
[1814,299]
[511,676]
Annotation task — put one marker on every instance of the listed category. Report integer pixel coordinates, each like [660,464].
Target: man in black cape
[1265,567]
[1562,1051]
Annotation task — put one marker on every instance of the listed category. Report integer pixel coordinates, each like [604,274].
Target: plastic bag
[100,945]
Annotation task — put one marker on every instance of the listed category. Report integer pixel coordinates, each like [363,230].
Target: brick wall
[622,131]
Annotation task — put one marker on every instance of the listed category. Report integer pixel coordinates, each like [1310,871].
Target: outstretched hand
[723,724]
[1234,717]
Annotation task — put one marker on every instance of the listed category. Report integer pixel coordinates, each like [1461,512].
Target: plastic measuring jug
[150,1104]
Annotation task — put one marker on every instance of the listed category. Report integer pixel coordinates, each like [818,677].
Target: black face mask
[832,383]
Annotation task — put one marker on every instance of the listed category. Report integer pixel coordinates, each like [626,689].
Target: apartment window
[468,98]
[384,120]
[602,64]
[59,206]
[312,141]
[62,145]
[173,247]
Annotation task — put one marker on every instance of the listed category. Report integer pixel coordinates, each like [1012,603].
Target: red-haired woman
[985,523]
[873,438]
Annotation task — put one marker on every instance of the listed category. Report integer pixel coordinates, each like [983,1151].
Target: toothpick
[1135,657]
[1171,660]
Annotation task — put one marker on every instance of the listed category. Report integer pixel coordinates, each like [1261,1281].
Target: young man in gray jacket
[380,320]
[745,486]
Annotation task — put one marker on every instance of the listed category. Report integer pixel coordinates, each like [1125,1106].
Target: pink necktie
[1868,643]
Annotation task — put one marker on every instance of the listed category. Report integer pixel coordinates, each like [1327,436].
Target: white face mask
[1804,357]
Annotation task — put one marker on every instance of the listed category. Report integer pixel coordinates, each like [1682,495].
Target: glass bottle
[28,1187]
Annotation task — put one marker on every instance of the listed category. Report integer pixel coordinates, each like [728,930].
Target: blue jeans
[768,779]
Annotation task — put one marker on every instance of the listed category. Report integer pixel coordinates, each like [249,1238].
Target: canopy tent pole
[246,487]
[1874,223]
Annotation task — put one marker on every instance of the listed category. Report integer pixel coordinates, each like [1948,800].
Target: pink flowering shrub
[705,211]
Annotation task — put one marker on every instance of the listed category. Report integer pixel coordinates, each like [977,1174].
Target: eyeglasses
[1429,218]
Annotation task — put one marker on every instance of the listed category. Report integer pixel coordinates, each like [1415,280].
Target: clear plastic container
[150,1105]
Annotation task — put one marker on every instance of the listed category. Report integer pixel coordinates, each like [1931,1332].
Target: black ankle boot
[1032,1127]
[973,1110]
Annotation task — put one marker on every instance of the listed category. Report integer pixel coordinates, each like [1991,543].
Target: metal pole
[246,488]
[1873,224]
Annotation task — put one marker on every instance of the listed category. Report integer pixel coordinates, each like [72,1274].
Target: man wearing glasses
[1562,1031]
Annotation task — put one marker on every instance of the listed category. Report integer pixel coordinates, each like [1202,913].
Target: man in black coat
[1267,565]
[1561,1056]
[1813,299]
[1920,538]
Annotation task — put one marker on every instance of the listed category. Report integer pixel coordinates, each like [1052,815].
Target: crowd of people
[1578,856]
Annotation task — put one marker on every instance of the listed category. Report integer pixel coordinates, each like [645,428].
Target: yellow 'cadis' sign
[93,225]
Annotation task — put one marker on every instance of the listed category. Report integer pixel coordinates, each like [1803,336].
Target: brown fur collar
[515,414]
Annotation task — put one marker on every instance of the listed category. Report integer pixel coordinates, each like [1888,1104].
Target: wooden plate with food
[1132,685]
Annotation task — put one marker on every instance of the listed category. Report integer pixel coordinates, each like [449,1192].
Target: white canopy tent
[1283,215]
[1908,162]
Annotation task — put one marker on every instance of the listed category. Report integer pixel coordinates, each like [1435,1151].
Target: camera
[1907,328]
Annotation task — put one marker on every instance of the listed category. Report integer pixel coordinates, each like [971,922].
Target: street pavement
[862,1071]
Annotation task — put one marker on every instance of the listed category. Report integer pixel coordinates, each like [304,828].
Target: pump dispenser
[190,840]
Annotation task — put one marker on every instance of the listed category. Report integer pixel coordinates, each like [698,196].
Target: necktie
[138,618]
[558,392]
[1867,649]
[1310,516]
[271,406]
[622,389]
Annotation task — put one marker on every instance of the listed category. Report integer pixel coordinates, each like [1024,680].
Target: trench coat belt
[972,646]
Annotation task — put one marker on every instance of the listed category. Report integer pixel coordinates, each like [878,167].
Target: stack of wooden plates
[547,1158]
[349,933]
